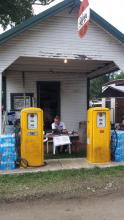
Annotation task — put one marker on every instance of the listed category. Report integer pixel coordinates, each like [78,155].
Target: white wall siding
[58,37]
[73,93]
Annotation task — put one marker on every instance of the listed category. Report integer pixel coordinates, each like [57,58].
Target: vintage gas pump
[98,135]
[32,149]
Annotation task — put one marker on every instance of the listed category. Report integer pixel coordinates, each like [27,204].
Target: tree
[13,12]
[119,75]
[96,86]
[97,83]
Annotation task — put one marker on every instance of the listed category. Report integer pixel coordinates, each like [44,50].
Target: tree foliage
[97,83]
[96,86]
[119,76]
[13,12]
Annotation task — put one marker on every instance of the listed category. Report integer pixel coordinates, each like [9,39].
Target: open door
[48,99]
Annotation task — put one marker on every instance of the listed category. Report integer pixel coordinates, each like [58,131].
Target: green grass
[49,176]
[14,187]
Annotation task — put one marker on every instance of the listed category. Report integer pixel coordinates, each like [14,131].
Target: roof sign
[84,17]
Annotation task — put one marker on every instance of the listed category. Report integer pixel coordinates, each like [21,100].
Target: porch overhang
[75,70]
[91,68]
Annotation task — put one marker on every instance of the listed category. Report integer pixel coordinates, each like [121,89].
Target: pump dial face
[32,121]
[101,120]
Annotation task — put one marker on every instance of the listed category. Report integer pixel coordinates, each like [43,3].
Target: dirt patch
[62,184]
[109,207]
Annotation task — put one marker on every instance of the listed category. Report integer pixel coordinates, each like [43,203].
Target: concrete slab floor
[62,164]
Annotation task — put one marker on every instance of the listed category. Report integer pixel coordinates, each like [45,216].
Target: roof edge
[115,89]
[107,26]
[54,10]
[115,81]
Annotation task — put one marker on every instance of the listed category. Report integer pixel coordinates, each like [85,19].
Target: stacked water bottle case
[7,152]
[117,146]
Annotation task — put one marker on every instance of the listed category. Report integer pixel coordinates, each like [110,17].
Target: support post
[0,103]
[88,92]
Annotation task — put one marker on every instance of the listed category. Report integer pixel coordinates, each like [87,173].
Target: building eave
[6,36]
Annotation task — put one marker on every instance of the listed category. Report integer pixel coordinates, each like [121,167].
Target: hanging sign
[84,18]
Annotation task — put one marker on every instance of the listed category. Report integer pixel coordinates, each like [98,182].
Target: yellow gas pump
[32,149]
[98,135]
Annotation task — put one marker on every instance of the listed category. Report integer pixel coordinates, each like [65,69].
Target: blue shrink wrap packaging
[117,146]
[7,152]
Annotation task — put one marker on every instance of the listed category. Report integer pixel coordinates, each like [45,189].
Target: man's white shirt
[61,126]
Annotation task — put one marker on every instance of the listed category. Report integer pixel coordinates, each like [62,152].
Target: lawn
[61,184]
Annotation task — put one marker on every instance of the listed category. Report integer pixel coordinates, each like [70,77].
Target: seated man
[58,127]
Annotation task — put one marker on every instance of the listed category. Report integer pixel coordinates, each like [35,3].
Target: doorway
[48,99]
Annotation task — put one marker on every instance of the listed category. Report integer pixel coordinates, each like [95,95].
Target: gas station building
[45,60]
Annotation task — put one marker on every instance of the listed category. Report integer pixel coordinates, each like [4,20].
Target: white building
[32,61]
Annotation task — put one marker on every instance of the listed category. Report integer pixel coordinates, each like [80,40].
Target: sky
[112,11]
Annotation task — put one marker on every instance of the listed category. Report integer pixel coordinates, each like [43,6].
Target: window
[19,101]
[108,103]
